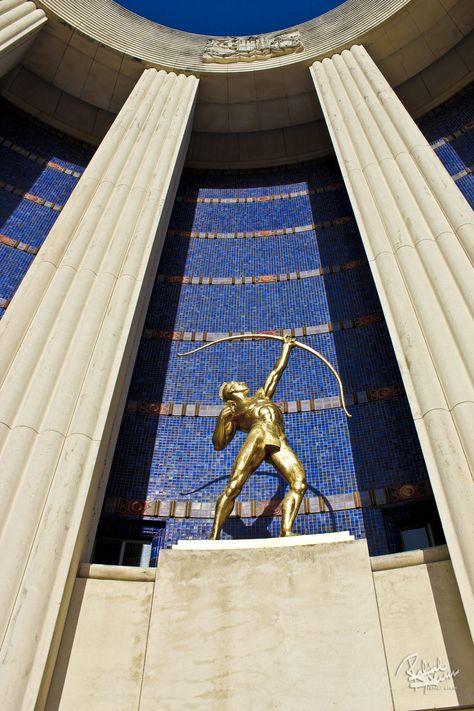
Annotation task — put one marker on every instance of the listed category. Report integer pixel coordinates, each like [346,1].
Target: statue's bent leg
[289,466]
[250,456]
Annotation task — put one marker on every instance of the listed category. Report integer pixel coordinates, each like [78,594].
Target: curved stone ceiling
[113,26]
[258,110]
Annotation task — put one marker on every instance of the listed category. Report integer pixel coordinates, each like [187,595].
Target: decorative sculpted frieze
[225,50]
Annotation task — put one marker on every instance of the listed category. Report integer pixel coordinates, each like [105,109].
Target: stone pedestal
[292,624]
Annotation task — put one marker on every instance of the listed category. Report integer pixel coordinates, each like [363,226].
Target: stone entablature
[117,28]
[227,50]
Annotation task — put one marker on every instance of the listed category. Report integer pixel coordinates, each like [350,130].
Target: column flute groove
[400,214]
[436,222]
[67,360]
[413,222]
[416,218]
[447,195]
[80,210]
[20,20]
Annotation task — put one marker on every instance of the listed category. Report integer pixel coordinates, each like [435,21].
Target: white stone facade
[137,94]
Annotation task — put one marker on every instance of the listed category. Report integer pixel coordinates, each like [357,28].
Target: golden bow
[272,337]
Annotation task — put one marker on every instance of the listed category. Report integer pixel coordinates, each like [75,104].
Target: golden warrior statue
[266,440]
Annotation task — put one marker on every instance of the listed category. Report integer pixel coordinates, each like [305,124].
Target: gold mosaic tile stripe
[29,196]
[187,199]
[258,198]
[36,158]
[62,169]
[205,336]
[452,136]
[410,491]
[462,173]
[263,233]
[197,409]
[261,279]
[16,244]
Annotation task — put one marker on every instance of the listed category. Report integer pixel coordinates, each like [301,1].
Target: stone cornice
[113,26]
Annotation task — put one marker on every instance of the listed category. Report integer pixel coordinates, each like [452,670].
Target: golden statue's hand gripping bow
[272,337]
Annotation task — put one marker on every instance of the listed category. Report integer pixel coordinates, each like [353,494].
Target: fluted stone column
[19,22]
[68,342]
[418,231]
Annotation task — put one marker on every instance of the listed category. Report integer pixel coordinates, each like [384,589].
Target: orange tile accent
[8,241]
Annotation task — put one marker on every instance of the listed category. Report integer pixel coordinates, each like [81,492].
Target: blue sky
[222,17]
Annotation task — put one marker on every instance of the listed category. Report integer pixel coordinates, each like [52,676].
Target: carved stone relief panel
[225,50]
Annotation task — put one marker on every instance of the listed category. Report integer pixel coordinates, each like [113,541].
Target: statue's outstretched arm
[269,386]
[224,430]
[274,377]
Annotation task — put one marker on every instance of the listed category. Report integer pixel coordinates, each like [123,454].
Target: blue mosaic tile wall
[194,379]
[255,183]
[13,267]
[450,131]
[38,179]
[171,458]
[239,308]
[269,255]
[33,188]
[25,220]
[274,214]
[33,136]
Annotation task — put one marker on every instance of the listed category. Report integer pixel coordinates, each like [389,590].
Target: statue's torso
[259,411]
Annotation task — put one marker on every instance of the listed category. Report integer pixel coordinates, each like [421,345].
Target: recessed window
[124,541]
[417,537]
[113,551]
[412,526]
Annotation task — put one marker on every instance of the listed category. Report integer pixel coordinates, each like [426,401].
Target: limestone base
[261,543]
[290,626]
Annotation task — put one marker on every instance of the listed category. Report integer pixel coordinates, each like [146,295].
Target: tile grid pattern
[29,196]
[33,189]
[165,457]
[260,278]
[260,233]
[381,448]
[197,409]
[163,510]
[259,198]
[298,331]
[30,155]
[164,449]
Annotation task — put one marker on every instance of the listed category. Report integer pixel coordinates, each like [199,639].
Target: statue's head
[229,390]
